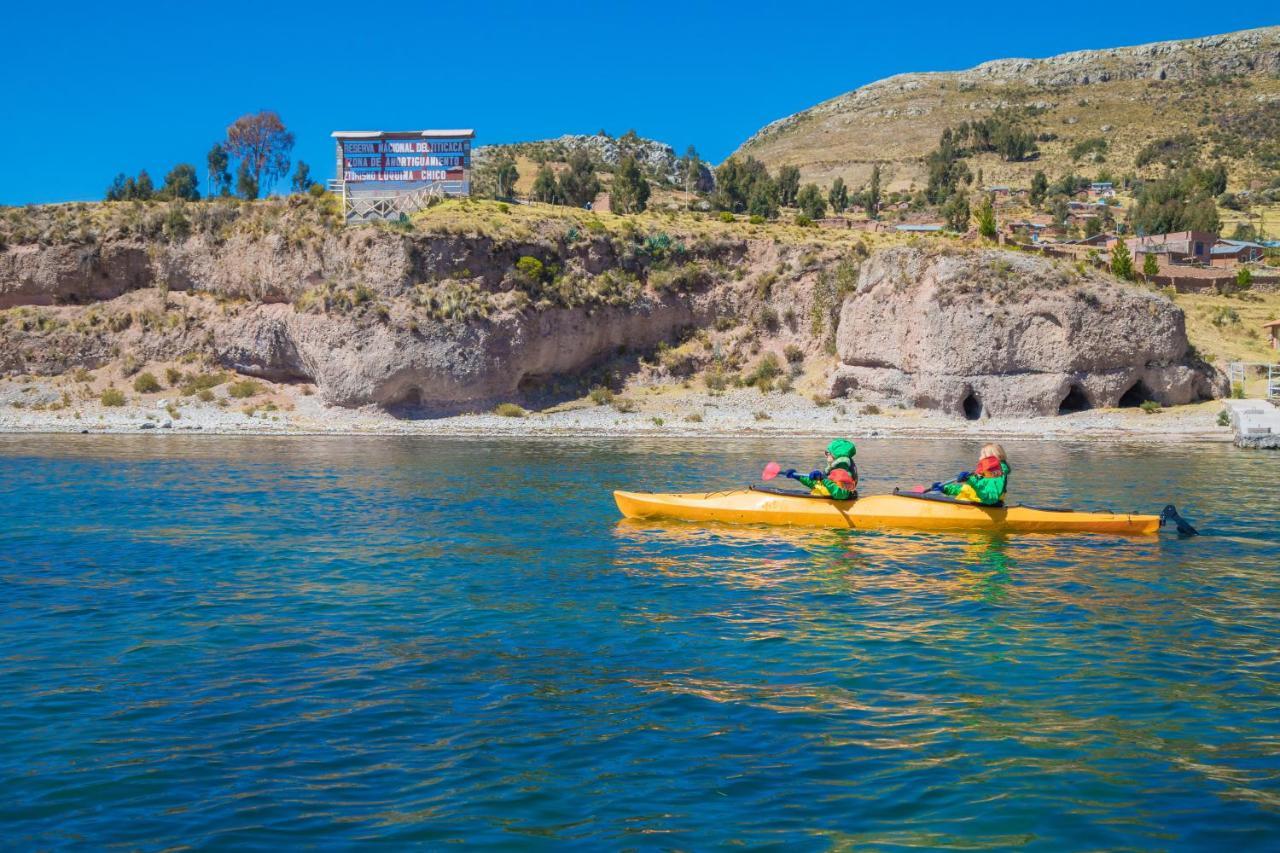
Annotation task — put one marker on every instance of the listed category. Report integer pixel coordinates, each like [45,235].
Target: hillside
[1222,90]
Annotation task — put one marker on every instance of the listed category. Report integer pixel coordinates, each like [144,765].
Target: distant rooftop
[462,133]
[919,227]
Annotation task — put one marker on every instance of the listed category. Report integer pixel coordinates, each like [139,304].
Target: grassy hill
[1223,91]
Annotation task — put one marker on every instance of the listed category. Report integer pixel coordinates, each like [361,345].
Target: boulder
[993,333]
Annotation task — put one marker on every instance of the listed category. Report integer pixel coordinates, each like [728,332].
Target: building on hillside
[1180,247]
[1035,229]
[386,174]
[1102,189]
[1000,191]
[1101,240]
[1274,328]
[919,228]
[1227,253]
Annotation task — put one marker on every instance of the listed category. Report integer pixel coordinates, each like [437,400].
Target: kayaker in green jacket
[839,480]
[986,485]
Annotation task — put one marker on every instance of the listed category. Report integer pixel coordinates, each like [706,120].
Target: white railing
[1238,372]
[392,204]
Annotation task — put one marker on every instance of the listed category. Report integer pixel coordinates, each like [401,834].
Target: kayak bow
[759,506]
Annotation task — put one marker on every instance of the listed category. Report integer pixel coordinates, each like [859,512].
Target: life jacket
[843,473]
[989,467]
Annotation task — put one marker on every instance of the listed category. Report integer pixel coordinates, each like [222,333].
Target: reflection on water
[242,642]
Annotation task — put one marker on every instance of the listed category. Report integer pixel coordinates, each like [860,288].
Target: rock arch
[1137,394]
[971,405]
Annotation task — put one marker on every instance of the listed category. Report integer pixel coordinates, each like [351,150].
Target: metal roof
[919,227]
[461,133]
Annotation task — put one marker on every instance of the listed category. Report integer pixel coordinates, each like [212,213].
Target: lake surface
[278,642]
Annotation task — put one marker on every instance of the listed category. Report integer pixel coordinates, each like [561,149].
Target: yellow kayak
[762,506]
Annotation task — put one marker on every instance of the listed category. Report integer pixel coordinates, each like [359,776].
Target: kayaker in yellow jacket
[987,484]
[839,480]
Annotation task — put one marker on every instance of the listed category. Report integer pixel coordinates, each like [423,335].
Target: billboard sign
[413,160]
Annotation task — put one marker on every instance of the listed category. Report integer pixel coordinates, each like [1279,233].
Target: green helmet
[842,449]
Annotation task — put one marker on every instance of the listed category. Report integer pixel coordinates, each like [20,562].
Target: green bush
[756,219]
[601,395]
[793,354]
[803,221]
[725,216]
[205,396]
[871,409]
[509,410]
[1237,390]
[530,268]
[316,190]
[1150,406]
[146,383]
[766,371]
[244,389]
[1224,418]
[715,380]
[198,382]
[173,376]
[624,404]
[112,397]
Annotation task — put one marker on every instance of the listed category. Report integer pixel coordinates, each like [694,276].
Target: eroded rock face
[990,333]
[442,367]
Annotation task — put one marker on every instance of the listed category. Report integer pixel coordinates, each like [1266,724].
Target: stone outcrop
[992,333]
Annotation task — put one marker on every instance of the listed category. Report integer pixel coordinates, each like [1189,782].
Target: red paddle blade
[770,471]
[919,490]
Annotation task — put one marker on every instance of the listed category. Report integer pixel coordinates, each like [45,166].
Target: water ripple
[223,642]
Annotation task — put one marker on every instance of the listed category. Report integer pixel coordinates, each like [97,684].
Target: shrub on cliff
[509,410]
[112,397]
[244,389]
[146,383]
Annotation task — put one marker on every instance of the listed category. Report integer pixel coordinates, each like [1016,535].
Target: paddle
[936,487]
[770,471]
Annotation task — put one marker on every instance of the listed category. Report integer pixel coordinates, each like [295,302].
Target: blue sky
[92,89]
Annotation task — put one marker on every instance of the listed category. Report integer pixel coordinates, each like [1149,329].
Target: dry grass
[1228,328]
[897,128]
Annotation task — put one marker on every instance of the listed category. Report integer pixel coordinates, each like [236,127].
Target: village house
[1180,247]
[1274,328]
[1102,189]
[999,191]
[1229,253]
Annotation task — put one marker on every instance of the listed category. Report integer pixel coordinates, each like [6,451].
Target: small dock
[1256,423]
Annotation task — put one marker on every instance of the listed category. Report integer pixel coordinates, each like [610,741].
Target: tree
[505,177]
[838,195]
[117,189]
[545,187]
[143,189]
[956,212]
[302,177]
[578,184]
[1184,201]
[630,190]
[246,182]
[1150,266]
[219,163]
[1039,189]
[788,185]
[1060,211]
[1244,279]
[181,182]
[764,199]
[691,171]
[987,219]
[1121,261]
[262,144]
[811,202]
[735,181]
[873,192]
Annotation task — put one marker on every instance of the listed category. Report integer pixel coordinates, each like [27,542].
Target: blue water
[265,643]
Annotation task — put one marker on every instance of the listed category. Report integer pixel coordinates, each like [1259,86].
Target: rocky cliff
[477,303]
[989,332]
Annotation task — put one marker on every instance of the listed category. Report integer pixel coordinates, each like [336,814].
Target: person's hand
[815,475]
[936,487]
[790,473]
[962,476]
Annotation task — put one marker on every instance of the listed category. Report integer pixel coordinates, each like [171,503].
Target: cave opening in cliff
[1075,401]
[1137,394]
[972,407]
